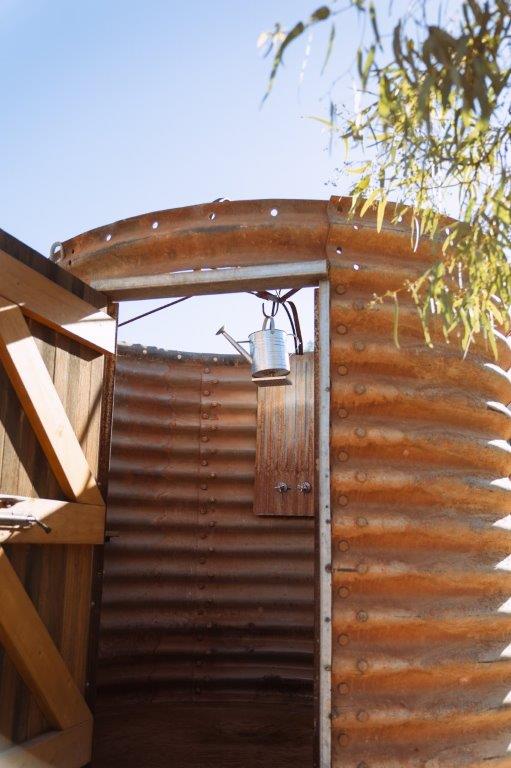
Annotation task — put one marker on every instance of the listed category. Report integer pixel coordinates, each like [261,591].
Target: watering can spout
[221,331]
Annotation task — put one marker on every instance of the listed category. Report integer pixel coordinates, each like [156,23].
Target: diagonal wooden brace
[34,654]
[40,400]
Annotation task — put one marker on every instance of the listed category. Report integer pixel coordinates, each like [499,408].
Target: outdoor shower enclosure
[411,547]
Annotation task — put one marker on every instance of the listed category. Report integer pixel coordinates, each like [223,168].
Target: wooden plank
[285,443]
[201,282]
[52,305]
[70,748]
[34,654]
[44,266]
[70,523]
[34,387]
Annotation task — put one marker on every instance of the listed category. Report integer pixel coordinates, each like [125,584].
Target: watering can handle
[265,323]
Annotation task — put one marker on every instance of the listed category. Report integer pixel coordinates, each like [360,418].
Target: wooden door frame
[300,274]
[31,289]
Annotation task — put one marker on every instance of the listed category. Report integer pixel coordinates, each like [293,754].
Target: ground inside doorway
[204,735]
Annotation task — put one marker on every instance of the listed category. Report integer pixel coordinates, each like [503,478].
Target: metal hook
[274,309]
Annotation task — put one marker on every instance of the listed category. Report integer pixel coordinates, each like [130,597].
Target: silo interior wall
[203,601]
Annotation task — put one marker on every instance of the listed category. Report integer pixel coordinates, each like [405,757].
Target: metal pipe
[22,521]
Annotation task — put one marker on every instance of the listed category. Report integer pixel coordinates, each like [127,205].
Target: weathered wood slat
[52,305]
[70,523]
[285,443]
[70,748]
[34,654]
[35,389]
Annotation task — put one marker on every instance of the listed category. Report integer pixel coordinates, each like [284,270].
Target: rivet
[204,438]
[214,427]
[362,716]
[362,568]
[204,463]
[342,413]
[343,500]
[360,432]
[343,456]
[359,346]
[342,370]
[340,289]
[214,405]
[201,586]
[361,477]
[214,381]
[203,511]
[362,665]
[343,639]
[361,522]
[202,560]
[212,501]
[343,545]
[344,591]
[343,739]
[406,452]
[342,329]
[343,688]
[206,392]
[212,474]
[362,616]
[215,359]
[212,524]
[359,304]
[204,486]
[207,370]
[360,389]
[205,415]
[203,536]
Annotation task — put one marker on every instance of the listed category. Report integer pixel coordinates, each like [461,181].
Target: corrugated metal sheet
[420,584]
[209,235]
[201,597]
[420,619]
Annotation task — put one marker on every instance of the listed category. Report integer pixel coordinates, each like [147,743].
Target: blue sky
[114,108]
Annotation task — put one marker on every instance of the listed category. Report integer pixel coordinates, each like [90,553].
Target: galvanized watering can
[268,350]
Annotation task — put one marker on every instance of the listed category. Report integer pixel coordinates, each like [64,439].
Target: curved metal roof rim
[235,233]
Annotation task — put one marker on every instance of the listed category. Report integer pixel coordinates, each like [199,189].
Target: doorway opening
[211,633]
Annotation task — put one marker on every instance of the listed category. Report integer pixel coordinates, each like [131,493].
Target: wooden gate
[57,345]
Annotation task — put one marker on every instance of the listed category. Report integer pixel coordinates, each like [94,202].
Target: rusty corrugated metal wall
[201,597]
[419,480]
[421,626]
